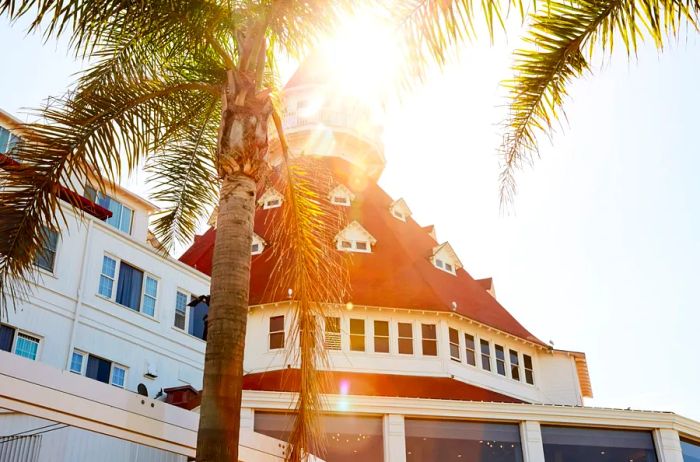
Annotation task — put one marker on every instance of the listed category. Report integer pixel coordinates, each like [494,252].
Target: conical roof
[397,273]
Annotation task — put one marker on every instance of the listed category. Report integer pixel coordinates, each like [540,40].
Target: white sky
[601,252]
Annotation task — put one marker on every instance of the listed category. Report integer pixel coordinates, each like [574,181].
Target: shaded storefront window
[691,450]
[348,438]
[440,440]
[566,444]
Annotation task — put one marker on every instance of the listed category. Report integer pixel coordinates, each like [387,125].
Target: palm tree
[562,39]
[185,86]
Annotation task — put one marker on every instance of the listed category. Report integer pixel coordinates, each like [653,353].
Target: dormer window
[399,209]
[270,199]
[355,238]
[122,216]
[341,195]
[258,245]
[445,259]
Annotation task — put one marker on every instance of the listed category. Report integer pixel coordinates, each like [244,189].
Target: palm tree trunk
[241,152]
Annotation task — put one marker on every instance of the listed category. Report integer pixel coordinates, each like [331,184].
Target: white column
[247,418]
[531,438]
[394,438]
[668,445]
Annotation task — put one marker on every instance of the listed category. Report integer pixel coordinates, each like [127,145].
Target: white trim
[39,342]
[271,199]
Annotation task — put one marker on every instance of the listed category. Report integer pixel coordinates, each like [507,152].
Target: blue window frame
[26,346]
[135,289]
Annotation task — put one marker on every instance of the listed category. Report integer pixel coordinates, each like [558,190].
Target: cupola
[341,195]
[271,199]
[355,238]
[399,210]
[445,258]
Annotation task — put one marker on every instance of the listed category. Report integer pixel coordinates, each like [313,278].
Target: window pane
[76,363]
[277,324]
[129,286]
[90,193]
[332,334]
[47,255]
[107,278]
[381,344]
[588,444]
[485,355]
[149,305]
[381,336]
[276,340]
[361,245]
[514,369]
[357,335]
[98,369]
[125,222]
[151,286]
[116,209]
[26,346]
[428,331]
[405,329]
[406,346]
[350,438]
[4,140]
[690,450]
[118,376]
[470,349]
[180,310]
[444,440]
[381,328]
[527,362]
[500,360]
[454,345]
[7,335]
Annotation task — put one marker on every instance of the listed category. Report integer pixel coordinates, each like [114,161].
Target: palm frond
[184,177]
[561,40]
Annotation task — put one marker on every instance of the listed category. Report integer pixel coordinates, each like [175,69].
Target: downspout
[79,294]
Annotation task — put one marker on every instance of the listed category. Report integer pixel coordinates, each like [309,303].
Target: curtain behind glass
[129,286]
[98,369]
[6,336]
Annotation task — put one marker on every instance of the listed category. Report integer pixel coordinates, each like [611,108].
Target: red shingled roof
[397,274]
[359,384]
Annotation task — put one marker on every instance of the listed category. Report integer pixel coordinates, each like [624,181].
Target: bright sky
[601,252]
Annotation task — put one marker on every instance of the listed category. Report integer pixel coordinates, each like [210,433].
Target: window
[109,267]
[272,203]
[276,332]
[26,346]
[485,355]
[121,214]
[514,365]
[439,263]
[596,444]
[340,195]
[255,249]
[500,360]
[361,245]
[405,338]
[180,310]
[340,200]
[76,362]
[46,258]
[357,335]
[448,268]
[454,345]
[470,348]
[398,214]
[354,246]
[135,289]
[459,440]
[429,339]
[690,450]
[7,140]
[527,362]
[19,343]
[105,371]
[332,334]
[381,336]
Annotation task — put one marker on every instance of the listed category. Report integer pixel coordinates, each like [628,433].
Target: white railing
[357,123]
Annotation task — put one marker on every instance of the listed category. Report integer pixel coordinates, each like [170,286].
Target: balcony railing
[356,122]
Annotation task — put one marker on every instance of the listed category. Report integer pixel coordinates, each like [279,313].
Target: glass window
[361,245]
[149,296]
[346,244]
[47,255]
[594,444]
[109,266]
[4,140]
[443,440]
[429,339]
[26,346]
[129,286]
[121,214]
[448,267]
[332,334]
[470,348]
[381,336]
[500,360]
[454,345]
[76,362]
[180,310]
[439,263]
[255,249]
[357,335]
[118,376]
[349,438]
[405,338]
[527,362]
[98,369]
[514,365]
[7,337]
[485,355]
[276,332]
[690,450]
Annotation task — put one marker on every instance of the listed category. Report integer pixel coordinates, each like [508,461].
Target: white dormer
[341,195]
[258,245]
[271,199]
[399,209]
[445,258]
[355,238]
